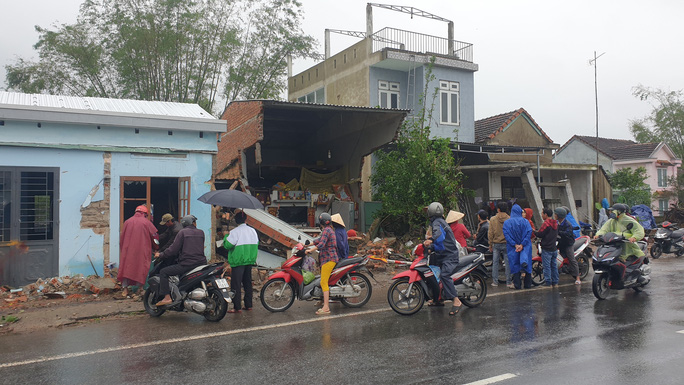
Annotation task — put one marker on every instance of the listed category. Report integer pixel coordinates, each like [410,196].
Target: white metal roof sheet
[142,107]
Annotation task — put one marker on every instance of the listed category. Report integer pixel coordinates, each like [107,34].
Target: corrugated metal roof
[278,225]
[143,107]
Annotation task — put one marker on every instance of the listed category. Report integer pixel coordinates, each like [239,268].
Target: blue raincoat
[574,224]
[518,231]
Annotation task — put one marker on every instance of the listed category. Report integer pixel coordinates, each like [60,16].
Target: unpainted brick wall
[245,128]
[96,215]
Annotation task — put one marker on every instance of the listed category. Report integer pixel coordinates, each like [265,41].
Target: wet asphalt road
[537,336]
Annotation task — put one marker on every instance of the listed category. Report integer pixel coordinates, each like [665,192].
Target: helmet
[142,209]
[188,220]
[620,207]
[560,212]
[435,209]
[324,219]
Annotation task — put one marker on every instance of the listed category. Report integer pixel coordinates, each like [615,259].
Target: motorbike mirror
[307,243]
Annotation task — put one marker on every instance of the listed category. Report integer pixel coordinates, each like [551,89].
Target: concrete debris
[75,288]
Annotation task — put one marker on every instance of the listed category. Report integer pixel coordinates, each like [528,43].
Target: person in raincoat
[136,245]
[603,213]
[518,233]
[618,224]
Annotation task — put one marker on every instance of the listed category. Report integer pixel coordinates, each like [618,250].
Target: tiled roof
[487,128]
[618,149]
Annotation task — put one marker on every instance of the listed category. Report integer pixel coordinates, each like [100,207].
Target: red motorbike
[409,289]
[347,284]
[582,252]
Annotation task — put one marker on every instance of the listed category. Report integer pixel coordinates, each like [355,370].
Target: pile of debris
[76,288]
[675,215]
[388,248]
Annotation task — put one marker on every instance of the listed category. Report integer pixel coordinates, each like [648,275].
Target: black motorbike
[488,261]
[200,290]
[668,239]
[612,273]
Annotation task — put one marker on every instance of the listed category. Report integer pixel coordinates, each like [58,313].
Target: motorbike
[347,283]
[583,255]
[201,290]
[611,273]
[668,239]
[409,289]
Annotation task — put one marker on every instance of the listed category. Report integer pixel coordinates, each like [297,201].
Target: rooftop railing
[418,42]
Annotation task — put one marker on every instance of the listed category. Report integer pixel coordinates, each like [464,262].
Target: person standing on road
[548,234]
[242,244]
[566,242]
[326,245]
[340,237]
[461,233]
[443,242]
[136,245]
[518,234]
[482,236]
[497,244]
[189,247]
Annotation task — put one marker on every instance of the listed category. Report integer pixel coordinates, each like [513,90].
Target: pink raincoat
[135,246]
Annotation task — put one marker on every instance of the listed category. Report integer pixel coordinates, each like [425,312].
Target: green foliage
[630,186]
[665,123]
[208,52]
[417,171]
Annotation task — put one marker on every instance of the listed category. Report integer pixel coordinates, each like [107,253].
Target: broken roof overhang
[509,166]
[311,130]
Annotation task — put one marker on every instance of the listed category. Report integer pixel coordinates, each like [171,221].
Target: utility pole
[593,62]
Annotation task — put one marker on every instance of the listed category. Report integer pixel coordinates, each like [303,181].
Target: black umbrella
[231,198]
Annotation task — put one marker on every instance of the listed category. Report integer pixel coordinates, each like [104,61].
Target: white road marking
[494,379]
[183,339]
[220,334]
[681,331]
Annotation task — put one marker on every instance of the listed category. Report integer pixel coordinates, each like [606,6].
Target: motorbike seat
[677,234]
[578,243]
[198,268]
[349,261]
[467,259]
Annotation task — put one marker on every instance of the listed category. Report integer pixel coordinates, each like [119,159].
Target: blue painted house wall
[78,151]
[465,131]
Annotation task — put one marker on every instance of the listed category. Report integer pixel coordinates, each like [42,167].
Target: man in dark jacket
[169,235]
[482,237]
[189,246]
[443,243]
[548,233]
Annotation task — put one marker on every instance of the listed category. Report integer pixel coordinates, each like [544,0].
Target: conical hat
[337,218]
[454,216]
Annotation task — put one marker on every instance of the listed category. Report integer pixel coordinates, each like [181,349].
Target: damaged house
[72,169]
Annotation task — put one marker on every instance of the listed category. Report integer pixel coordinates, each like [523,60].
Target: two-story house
[658,159]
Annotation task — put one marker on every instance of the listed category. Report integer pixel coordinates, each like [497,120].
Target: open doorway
[160,195]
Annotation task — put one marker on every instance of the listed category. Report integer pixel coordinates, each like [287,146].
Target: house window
[511,187]
[449,96]
[317,96]
[662,206]
[388,94]
[662,177]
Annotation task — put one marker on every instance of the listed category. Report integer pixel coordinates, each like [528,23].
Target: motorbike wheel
[599,286]
[478,281]
[583,265]
[537,273]
[357,280]
[402,302]
[502,269]
[220,306]
[150,303]
[277,295]
[656,250]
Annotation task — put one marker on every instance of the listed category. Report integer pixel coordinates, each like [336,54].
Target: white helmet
[435,209]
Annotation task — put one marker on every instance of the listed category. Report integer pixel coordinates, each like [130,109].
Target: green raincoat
[619,227]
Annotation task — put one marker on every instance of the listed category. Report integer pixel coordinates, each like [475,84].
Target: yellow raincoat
[619,227]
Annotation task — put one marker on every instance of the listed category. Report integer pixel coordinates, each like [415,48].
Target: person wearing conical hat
[460,231]
[340,236]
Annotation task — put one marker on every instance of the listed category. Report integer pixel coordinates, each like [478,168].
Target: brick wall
[245,128]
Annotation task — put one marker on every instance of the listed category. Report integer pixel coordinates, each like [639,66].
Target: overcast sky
[531,53]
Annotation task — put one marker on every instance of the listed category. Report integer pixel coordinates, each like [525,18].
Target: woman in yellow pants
[327,257]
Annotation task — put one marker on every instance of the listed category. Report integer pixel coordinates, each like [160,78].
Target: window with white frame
[317,96]
[388,94]
[662,177]
[662,206]
[450,99]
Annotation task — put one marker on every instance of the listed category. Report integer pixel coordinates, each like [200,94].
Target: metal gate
[28,224]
